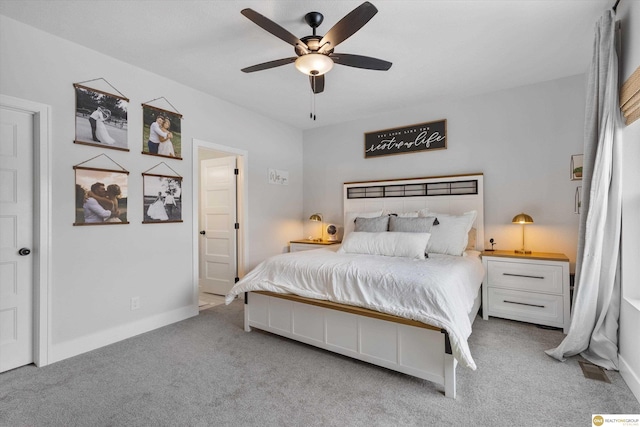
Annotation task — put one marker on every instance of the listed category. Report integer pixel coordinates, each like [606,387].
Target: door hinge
[237,226]
[236,171]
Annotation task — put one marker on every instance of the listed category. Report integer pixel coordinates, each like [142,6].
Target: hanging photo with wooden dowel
[101,118]
[161,132]
[101,195]
[162,198]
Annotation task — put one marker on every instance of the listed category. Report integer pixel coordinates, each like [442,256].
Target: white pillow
[350,217]
[396,244]
[413,214]
[451,235]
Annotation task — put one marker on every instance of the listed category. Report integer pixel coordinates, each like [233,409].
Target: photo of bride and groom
[101,197]
[101,119]
[162,199]
[161,132]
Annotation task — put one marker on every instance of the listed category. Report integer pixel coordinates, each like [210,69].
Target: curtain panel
[596,306]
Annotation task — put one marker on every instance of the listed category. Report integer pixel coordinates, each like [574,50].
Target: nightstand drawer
[526,276]
[526,306]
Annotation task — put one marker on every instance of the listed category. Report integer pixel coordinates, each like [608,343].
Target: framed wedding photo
[101,196]
[161,132]
[101,119]
[162,198]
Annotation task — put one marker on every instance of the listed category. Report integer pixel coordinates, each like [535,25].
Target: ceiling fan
[315,55]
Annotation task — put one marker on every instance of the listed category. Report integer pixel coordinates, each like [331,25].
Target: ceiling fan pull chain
[312,113]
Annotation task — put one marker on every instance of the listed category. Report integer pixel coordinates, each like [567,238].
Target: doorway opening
[220,220]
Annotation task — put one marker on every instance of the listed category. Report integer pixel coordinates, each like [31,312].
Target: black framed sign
[408,139]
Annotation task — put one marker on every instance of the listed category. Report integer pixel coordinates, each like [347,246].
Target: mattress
[439,291]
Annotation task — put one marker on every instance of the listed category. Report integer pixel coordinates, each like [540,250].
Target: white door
[218,219]
[16,237]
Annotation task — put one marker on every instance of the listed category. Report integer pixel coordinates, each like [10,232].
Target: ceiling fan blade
[317,83]
[271,27]
[360,61]
[347,26]
[270,64]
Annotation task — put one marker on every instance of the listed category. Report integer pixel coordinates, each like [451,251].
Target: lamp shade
[522,218]
[316,217]
[314,64]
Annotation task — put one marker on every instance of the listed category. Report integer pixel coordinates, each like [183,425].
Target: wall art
[161,132]
[408,139]
[101,194]
[162,197]
[101,118]
[576,167]
[278,177]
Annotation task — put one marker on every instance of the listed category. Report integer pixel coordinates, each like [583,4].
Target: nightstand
[531,288]
[305,245]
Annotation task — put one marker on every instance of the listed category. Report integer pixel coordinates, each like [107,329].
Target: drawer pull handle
[523,303]
[523,275]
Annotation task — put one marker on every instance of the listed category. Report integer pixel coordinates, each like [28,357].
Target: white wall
[629,15]
[96,270]
[521,139]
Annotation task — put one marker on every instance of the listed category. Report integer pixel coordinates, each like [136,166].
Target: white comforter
[438,291]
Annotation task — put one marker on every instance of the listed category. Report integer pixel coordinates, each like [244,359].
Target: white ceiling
[439,49]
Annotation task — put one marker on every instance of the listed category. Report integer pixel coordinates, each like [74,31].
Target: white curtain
[596,304]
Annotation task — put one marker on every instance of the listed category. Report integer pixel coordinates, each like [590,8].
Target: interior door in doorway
[218,243]
[16,239]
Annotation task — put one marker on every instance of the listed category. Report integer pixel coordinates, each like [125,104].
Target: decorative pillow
[408,245]
[350,217]
[473,237]
[413,214]
[411,225]
[451,235]
[372,225]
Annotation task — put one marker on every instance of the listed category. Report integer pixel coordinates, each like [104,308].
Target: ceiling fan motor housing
[313,19]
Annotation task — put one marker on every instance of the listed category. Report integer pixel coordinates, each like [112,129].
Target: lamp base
[522,251]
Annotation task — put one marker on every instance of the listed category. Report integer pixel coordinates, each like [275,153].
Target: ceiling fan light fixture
[314,64]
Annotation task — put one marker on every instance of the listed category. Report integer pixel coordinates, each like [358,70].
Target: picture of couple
[100,203]
[161,132]
[101,119]
[162,199]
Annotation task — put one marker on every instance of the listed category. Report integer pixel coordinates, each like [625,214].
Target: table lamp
[318,217]
[524,219]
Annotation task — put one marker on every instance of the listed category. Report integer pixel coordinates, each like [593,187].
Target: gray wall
[521,139]
[96,270]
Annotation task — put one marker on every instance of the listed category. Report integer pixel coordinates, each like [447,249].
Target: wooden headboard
[453,194]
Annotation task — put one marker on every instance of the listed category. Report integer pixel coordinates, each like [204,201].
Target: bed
[407,313]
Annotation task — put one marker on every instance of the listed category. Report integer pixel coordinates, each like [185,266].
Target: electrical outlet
[135,303]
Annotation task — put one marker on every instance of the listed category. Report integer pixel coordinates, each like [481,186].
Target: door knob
[202,232]
[24,251]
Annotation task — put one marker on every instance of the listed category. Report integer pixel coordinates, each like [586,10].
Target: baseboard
[91,342]
[631,378]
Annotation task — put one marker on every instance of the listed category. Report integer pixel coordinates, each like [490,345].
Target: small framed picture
[576,167]
[101,119]
[162,198]
[161,132]
[101,196]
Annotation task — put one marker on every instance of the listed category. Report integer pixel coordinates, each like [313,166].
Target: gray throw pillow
[411,225]
[372,225]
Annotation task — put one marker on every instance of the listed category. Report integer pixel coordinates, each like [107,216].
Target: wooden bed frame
[403,345]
